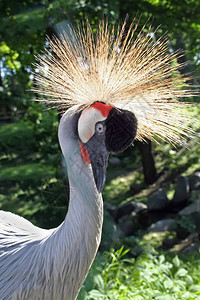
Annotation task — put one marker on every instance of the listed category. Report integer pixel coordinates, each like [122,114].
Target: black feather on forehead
[121,129]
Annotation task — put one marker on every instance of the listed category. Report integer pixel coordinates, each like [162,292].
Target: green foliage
[150,276]
[26,172]
[15,136]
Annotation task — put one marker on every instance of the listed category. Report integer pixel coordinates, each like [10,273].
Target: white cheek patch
[87,121]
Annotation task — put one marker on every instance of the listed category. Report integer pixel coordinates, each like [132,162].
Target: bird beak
[99,165]
[99,159]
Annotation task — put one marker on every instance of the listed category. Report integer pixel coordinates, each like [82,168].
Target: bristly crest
[124,68]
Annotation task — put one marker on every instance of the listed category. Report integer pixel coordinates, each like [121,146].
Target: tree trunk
[148,163]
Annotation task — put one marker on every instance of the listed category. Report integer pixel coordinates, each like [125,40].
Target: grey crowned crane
[112,90]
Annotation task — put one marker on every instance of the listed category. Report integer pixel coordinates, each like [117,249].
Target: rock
[193,211]
[194,247]
[169,243]
[196,220]
[129,224]
[181,191]
[194,195]
[129,207]
[158,200]
[111,209]
[190,209]
[111,232]
[194,181]
[114,160]
[136,188]
[144,219]
[162,225]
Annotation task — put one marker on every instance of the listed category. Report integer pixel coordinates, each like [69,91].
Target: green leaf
[95,294]
[176,261]
[4,49]
[181,273]
[168,284]
[163,297]
[161,259]
[99,282]
[195,288]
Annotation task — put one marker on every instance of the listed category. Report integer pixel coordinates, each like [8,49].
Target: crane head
[103,129]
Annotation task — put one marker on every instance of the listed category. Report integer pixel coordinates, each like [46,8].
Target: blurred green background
[33,183]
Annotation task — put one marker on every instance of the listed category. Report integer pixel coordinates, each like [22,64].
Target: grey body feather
[39,264]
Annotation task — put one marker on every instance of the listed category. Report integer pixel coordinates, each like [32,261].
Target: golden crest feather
[121,67]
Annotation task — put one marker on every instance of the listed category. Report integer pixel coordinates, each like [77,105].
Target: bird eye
[99,128]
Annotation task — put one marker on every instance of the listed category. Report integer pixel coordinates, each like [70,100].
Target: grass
[29,172]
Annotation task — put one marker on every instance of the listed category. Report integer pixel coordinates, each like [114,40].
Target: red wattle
[84,153]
